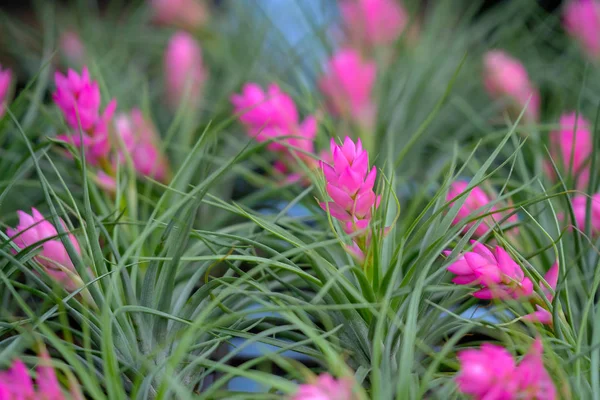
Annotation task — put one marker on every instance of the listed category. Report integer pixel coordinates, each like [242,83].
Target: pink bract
[326,387]
[579,203]
[5,84]
[542,315]
[582,21]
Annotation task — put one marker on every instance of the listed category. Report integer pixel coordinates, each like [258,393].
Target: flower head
[533,380]
[326,387]
[497,273]
[506,77]
[348,84]
[78,97]
[185,14]
[582,21]
[5,84]
[476,200]
[373,22]
[53,257]
[570,149]
[185,73]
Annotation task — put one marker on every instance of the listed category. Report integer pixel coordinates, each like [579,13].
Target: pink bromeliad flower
[185,14]
[185,73]
[570,149]
[477,199]
[579,204]
[506,77]
[141,142]
[78,97]
[272,115]
[326,387]
[582,21]
[542,315]
[490,373]
[373,22]
[5,84]
[497,273]
[16,383]
[349,183]
[348,85]
[34,228]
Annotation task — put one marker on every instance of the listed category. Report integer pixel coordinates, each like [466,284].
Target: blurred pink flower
[570,150]
[534,382]
[348,85]
[579,203]
[497,273]
[16,383]
[71,46]
[5,84]
[505,76]
[477,199]
[272,115]
[54,258]
[141,142]
[582,21]
[542,315]
[185,14]
[487,373]
[185,73]
[373,22]
[326,388]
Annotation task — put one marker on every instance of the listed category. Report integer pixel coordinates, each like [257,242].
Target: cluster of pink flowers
[348,85]
[349,183]
[476,201]
[16,383]
[498,276]
[5,84]
[185,74]
[34,229]
[272,116]
[506,77]
[582,21]
[185,14]
[490,373]
[326,387]
[570,148]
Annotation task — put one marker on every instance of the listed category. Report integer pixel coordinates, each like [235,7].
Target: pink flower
[72,47]
[185,74]
[141,141]
[185,14]
[348,86]
[534,382]
[582,21]
[373,22]
[34,228]
[542,315]
[16,383]
[579,204]
[476,200]
[487,373]
[497,273]
[490,373]
[5,84]
[505,77]
[571,149]
[326,388]
[78,97]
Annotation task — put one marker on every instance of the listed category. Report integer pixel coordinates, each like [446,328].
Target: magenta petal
[484,294]
[460,267]
[552,276]
[483,250]
[507,265]
[369,180]
[464,279]
[364,203]
[542,316]
[340,197]
[335,211]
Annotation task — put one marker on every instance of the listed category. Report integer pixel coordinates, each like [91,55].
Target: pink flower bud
[54,258]
[570,149]
[582,21]
[477,199]
[184,14]
[141,141]
[506,77]
[487,373]
[348,85]
[71,46]
[498,275]
[185,74]
[5,84]
[373,22]
[326,387]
